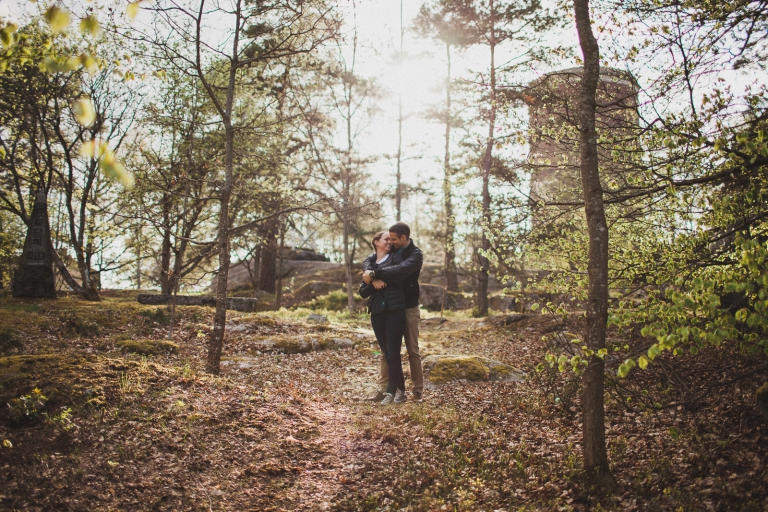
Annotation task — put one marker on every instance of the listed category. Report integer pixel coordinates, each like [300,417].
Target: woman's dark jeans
[389,327]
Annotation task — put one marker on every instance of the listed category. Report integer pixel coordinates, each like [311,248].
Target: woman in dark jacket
[386,303]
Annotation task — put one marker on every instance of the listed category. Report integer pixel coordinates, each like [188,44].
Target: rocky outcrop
[314,289]
[236,303]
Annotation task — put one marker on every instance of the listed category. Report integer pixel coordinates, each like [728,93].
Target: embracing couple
[391,285]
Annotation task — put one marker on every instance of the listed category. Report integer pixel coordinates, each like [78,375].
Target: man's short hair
[400,229]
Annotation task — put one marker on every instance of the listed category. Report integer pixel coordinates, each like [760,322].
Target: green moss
[300,345]
[333,301]
[50,373]
[459,367]
[10,341]
[157,315]
[29,308]
[148,347]
[255,320]
[442,369]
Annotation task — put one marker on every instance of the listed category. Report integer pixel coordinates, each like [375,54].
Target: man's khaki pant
[412,319]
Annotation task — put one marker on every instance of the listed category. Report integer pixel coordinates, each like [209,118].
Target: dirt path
[319,484]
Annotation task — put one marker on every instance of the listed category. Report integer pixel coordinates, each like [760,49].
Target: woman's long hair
[377,237]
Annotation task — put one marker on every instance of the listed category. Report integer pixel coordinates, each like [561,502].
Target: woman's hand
[379,284]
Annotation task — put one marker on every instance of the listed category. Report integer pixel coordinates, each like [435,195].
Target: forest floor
[86,424]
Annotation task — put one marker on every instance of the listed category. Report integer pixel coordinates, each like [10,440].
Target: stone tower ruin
[554,138]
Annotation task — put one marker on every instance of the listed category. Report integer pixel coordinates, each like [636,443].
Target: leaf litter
[289,431]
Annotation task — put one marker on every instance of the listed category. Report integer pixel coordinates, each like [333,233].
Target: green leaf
[84,112]
[535,306]
[57,18]
[623,370]
[113,169]
[89,25]
[6,34]
[132,10]
[642,362]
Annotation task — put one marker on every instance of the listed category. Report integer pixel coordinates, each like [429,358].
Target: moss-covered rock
[441,369]
[303,343]
[148,347]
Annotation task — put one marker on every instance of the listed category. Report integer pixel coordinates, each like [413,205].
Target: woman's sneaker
[399,396]
[388,398]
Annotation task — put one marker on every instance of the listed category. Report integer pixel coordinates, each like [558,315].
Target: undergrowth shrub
[333,301]
[27,409]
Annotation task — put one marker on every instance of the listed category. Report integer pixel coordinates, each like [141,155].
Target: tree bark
[593,407]
[165,251]
[216,340]
[449,270]
[398,175]
[267,261]
[347,236]
[279,286]
[482,278]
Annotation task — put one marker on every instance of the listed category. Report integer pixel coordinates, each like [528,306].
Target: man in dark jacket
[406,267]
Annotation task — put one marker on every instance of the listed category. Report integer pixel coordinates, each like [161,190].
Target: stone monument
[34,276]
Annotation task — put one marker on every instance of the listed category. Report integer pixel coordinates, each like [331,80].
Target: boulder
[302,343]
[431,298]
[148,347]
[499,303]
[314,318]
[505,320]
[442,369]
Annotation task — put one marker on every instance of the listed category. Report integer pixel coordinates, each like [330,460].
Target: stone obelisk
[34,276]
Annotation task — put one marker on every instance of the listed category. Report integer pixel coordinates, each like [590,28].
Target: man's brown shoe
[417,396]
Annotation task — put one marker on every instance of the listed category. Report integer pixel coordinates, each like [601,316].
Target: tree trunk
[398,175]
[216,340]
[347,200]
[253,265]
[165,258]
[593,407]
[279,291]
[449,271]
[482,278]
[138,269]
[267,261]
